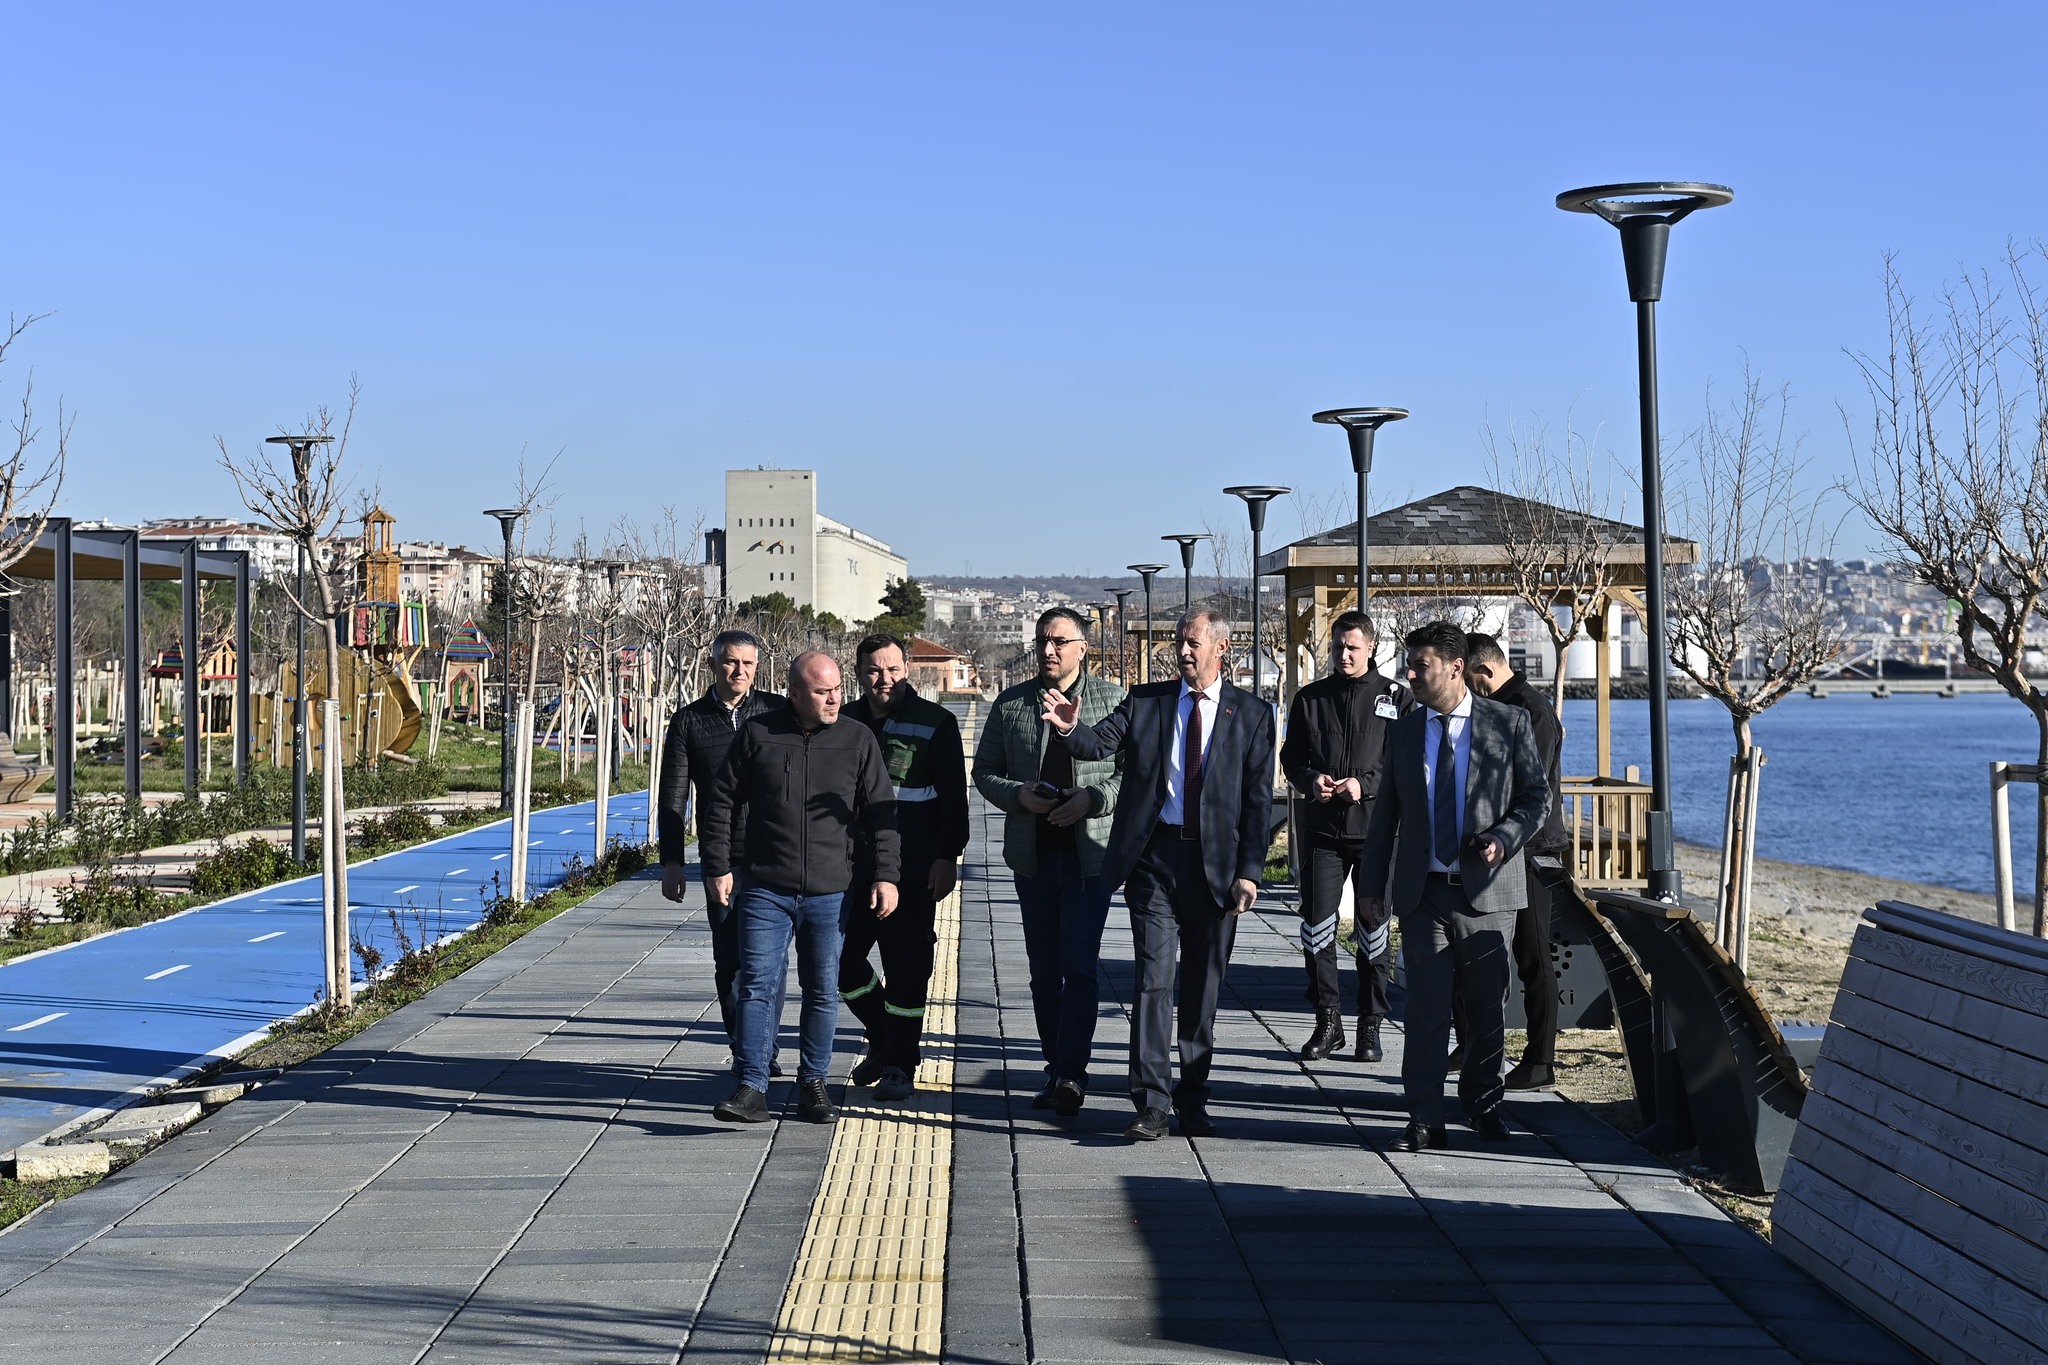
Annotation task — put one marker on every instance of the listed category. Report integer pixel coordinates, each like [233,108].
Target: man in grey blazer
[1463,790]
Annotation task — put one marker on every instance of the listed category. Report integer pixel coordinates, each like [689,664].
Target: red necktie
[1191,765]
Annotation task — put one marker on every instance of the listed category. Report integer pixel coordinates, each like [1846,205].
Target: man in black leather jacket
[698,736]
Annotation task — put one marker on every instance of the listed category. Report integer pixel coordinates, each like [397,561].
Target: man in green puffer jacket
[1057,813]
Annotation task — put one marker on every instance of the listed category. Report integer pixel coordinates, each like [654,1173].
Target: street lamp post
[1359,425]
[1186,540]
[302,455]
[1146,572]
[1644,212]
[1256,496]
[508,517]
[1123,634]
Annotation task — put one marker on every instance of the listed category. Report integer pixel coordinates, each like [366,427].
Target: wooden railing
[1607,819]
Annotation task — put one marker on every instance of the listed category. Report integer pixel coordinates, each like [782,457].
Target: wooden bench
[1917,1187]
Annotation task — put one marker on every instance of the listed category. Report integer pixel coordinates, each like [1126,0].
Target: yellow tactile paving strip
[870,1281]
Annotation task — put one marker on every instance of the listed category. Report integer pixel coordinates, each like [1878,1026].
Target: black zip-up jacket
[698,736]
[1337,727]
[813,799]
[928,766]
[1516,691]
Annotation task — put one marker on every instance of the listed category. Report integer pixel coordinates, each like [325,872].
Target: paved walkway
[523,1167]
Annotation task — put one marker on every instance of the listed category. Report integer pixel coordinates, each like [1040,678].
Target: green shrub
[405,825]
[244,866]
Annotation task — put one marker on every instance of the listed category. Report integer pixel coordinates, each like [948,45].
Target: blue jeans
[1063,914]
[768,920]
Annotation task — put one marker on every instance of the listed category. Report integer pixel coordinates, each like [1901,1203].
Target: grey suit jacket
[1506,795]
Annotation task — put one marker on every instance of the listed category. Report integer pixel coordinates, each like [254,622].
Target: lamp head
[1145,571]
[1186,540]
[1359,424]
[1644,211]
[508,517]
[1256,496]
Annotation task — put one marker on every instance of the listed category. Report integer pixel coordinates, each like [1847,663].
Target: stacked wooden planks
[1918,1182]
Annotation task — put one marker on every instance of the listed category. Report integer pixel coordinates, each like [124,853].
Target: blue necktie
[1444,813]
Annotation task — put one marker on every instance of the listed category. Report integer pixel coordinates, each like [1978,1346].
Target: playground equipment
[380,711]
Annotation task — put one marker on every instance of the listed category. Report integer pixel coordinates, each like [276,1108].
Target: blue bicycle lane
[84,1027]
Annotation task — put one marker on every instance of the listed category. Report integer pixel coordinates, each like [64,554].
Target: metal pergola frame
[63,555]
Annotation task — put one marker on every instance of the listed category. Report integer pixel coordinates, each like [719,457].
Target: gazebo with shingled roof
[1459,544]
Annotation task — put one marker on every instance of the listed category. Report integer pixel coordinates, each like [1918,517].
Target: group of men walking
[1435,801]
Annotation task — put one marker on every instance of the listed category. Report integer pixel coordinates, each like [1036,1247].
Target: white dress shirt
[1173,812]
[1461,755]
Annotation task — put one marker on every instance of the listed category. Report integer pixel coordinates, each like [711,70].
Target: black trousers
[1534,966]
[1175,922]
[890,1003]
[1330,863]
[725,958]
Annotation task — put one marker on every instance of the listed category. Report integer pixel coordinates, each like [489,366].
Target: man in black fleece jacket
[1336,747]
[813,790]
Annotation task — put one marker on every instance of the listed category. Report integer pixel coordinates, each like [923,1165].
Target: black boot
[1328,1037]
[1369,1049]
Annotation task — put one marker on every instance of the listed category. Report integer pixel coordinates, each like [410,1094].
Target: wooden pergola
[1457,544]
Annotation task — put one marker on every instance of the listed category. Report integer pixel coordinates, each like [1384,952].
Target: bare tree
[1557,528]
[31,469]
[1746,632]
[303,496]
[1955,473]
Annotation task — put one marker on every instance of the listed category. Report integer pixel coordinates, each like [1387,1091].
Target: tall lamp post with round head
[1359,425]
[1186,540]
[1644,212]
[1146,572]
[1123,633]
[508,517]
[1256,496]
[302,456]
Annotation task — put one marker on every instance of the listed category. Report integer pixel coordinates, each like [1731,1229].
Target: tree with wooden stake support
[1748,635]
[306,500]
[1955,474]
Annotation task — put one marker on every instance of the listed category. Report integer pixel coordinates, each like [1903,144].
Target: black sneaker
[866,1071]
[747,1105]
[813,1105]
[895,1085]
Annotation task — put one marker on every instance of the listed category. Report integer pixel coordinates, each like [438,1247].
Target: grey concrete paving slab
[523,1167]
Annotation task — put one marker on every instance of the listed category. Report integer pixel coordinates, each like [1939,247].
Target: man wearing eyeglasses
[1057,813]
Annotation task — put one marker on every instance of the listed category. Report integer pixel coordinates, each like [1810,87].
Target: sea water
[1897,787]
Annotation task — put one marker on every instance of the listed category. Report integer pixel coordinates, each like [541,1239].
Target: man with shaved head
[808,786]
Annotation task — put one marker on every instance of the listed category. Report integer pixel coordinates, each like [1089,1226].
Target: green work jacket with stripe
[928,767]
[1007,759]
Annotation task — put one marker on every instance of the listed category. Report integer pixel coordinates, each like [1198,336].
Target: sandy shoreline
[1825,902]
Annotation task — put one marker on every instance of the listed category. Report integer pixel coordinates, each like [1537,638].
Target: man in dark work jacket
[1336,746]
[815,790]
[698,736]
[1486,668]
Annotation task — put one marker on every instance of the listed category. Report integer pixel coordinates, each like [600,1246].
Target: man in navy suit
[1189,848]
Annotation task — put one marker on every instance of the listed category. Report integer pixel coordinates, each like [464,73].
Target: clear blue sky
[1027,284]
